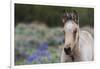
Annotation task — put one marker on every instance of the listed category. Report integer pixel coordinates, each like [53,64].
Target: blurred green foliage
[29,37]
[51,15]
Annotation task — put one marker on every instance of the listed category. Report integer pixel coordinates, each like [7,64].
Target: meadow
[37,44]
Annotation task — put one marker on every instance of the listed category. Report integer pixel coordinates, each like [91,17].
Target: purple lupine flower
[41,52]
[43,46]
[33,57]
[43,49]
[20,54]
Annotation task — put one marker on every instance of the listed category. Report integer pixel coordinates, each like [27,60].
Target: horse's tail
[89,29]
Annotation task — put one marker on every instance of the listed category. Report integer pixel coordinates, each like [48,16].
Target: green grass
[27,38]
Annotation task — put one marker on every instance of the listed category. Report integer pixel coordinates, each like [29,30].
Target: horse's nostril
[67,51]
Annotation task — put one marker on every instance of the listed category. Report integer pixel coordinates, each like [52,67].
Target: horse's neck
[77,50]
[83,48]
[78,53]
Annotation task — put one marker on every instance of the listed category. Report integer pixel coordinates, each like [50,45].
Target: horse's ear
[76,16]
[63,16]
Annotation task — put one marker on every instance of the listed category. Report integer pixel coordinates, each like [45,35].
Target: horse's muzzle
[67,51]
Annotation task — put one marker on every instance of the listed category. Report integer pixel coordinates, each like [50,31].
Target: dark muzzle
[67,51]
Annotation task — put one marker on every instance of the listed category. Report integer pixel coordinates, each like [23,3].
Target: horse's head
[71,30]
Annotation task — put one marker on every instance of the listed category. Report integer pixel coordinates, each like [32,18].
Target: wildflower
[40,55]
[43,46]
[33,57]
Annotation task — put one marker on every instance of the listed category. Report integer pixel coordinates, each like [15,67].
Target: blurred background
[38,32]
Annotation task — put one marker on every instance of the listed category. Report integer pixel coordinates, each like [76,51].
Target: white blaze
[69,26]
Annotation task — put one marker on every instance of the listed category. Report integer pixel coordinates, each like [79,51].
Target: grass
[30,38]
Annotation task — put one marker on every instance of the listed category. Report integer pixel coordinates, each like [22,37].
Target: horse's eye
[74,33]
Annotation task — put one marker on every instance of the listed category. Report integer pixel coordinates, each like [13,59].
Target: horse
[78,44]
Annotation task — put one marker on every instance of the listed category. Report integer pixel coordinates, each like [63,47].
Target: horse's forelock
[70,15]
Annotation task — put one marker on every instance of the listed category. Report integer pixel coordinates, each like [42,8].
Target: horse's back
[86,43]
[89,29]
